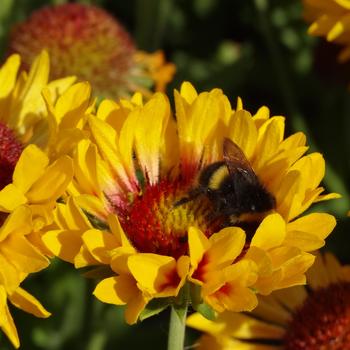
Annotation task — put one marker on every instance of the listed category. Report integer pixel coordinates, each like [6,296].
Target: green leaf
[155,306]
[206,311]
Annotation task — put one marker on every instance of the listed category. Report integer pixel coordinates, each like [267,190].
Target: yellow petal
[152,122]
[118,231]
[63,243]
[18,221]
[72,105]
[11,197]
[100,244]
[243,132]
[155,274]
[134,308]
[53,183]
[188,92]
[26,302]
[30,166]
[270,233]
[6,321]
[31,93]
[226,245]
[116,290]
[318,224]
[23,255]
[8,75]
[198,244]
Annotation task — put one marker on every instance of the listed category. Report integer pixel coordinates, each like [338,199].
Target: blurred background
[253,49]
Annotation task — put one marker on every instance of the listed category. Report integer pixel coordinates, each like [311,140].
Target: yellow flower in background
[37,183]
[36,111]
[86,41]
[153,195]
[21,103]
[47,116]
[18,258]
[331,20]
[313,317]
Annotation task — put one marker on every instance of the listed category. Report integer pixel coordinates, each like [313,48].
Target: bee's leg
[191,195]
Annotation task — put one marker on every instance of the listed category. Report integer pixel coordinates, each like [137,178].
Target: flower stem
[177,327]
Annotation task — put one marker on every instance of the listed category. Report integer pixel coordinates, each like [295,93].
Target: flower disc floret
[154,222]
[10,150]
[86,41]
[323,321]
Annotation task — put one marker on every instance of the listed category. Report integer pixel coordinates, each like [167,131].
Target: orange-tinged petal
[63,243]
[155,274]
[151,125]
[26,302]
[100,244]
[198,244]
[134,308]
[107,290]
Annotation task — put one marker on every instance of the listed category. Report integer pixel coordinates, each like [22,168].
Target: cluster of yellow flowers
[104,187]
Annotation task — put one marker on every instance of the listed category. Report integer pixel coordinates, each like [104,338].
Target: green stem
[177,327]
[332,179]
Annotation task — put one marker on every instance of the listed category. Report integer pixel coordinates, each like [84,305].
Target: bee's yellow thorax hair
[217,177]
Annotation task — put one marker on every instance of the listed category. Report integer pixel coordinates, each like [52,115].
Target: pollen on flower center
[155,224]
[323,322]
[10,150]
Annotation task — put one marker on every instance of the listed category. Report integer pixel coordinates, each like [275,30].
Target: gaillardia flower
[330,19]
[18,258]
[85,41]
[40,123]
[158,203]
[296,318]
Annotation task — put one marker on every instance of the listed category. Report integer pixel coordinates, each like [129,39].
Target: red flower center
[10,150]
[155,224]
[323,321]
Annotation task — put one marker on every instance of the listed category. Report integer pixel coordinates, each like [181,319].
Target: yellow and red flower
[36,134]
[86,41]
[126,212]
[297,318]
[18,258]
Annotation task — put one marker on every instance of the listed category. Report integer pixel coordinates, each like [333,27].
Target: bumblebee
[233,188]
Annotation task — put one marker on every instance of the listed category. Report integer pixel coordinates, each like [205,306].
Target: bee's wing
[236,161]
